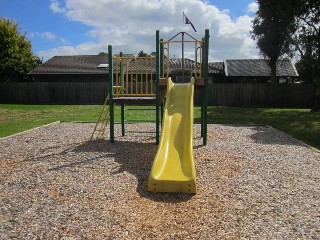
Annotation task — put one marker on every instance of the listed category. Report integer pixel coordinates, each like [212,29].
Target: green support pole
[161,113]
[201,120]
[205,102]
[202,90]
[111,108]
[123,131]
[121,71]
[161,76]
[161,58]
[157,88]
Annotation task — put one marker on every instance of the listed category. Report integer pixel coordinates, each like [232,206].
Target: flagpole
[182,47]
[182,22]
[182,63]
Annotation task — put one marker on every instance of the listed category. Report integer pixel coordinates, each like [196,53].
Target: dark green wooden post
[157,88]
[121,72]
[202,90]
[201,118]
[123,130]
[205,95]
[161,76]
[161,58]
[111,108]
[161,113]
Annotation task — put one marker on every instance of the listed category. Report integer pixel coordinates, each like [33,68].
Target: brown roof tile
[81,64]
[258,68]
[88,64]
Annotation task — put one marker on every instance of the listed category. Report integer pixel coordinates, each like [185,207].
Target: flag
[187,21]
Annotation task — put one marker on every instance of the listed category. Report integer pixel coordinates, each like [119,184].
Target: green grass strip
[298,123]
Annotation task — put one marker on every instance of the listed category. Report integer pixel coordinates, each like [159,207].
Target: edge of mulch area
[29,130]
[294,139]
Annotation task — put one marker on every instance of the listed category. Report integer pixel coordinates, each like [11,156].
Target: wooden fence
[260,95]
[222,94]
[53,92]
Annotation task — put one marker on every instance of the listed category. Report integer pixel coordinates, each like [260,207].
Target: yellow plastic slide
[173,169]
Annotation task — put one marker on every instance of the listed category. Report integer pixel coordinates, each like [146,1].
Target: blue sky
[69,27]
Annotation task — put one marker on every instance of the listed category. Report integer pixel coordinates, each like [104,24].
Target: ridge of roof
[258,68]
[77,64]
[85,55]
[88,64]
[254,59]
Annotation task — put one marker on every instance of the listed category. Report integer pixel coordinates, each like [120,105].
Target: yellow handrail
[197,66]
[138,69]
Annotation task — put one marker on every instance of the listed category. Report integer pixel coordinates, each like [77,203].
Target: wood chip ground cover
[253,183]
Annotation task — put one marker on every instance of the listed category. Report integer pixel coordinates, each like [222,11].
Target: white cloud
[64,41]
[31,35]
[130,26]
[84,48]
[55,7]
[48,35]
[253,7]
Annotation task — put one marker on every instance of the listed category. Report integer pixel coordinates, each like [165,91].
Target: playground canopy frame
[119,89]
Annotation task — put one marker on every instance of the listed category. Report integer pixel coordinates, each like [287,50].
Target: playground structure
[146,81]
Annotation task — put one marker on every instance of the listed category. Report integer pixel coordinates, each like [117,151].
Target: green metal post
[205,100]
[157,88]
[161,76]
[201,120]
[202,90]
[121,72]
[123,131]
[161,58]
[161,113]
[111,108]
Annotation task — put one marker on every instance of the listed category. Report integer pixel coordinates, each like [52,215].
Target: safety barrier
[167,63]
[134,76]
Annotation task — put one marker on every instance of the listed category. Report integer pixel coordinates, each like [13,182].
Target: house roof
[258,68]
[216,68]
[88,64]
[176,63]
[135,65]
[81,64]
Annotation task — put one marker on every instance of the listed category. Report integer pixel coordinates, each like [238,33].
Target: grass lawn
[299,123]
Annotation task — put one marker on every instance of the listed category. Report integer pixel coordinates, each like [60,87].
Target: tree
[273,26]
[305,71]
[102,54]
[306,42]
[16,57]
[142,54]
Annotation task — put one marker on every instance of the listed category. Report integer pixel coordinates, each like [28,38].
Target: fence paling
[252,95]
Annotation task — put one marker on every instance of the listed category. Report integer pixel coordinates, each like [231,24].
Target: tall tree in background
[273,27]
[142,54]
[16,57]
[306,42]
